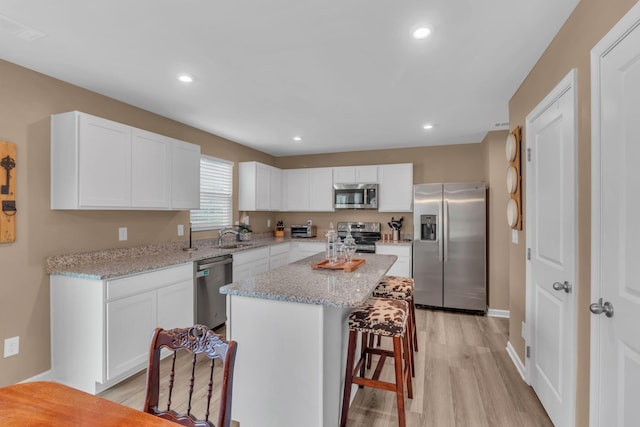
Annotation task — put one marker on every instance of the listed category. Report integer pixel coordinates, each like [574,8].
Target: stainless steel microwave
[355,196]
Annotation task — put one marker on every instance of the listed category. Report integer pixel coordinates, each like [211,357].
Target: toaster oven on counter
[304,230]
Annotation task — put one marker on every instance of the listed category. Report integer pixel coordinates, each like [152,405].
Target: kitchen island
[291,328]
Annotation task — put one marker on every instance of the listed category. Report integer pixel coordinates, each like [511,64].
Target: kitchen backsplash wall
[323,219]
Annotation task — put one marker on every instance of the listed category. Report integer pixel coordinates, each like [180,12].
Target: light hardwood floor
[464,378]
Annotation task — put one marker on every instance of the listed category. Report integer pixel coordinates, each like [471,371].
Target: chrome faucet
[224,231]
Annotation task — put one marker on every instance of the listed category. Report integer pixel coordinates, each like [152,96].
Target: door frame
[629,21]
[569,82]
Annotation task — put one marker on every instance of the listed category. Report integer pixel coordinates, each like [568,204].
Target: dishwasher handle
[209,265]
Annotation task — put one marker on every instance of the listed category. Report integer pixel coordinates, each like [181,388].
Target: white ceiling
[345,75]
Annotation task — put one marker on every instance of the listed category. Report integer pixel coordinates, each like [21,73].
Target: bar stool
[400,288]
[382,317]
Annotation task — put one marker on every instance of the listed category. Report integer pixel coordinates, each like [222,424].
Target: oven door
[365,248]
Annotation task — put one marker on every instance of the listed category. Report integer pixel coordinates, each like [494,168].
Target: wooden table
[52,404]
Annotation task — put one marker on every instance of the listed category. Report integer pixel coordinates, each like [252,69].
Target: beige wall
[29,98]
[571,47]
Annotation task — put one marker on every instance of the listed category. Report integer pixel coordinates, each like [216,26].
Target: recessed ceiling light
[421,33]
[297,138]
[427,127]
[185,78]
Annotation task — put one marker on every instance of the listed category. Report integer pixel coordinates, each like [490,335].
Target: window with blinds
[216,191]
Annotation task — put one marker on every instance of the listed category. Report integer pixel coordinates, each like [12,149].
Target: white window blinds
[216,191]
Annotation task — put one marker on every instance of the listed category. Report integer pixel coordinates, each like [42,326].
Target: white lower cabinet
[302,249]
[129,321]
[278,255]
[250,262]
[403,265]
[101,329]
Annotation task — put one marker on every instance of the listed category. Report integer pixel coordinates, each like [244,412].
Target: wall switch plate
[122,233]
[180,230]
[269,223]
[523,332]
[11,346]
[514,236]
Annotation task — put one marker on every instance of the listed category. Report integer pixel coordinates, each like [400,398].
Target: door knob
[562,286]
[599,308]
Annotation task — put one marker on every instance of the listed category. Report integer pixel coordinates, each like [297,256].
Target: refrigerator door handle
[439,235]
[445,229]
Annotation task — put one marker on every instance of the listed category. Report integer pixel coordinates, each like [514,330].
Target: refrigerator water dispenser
[428,227]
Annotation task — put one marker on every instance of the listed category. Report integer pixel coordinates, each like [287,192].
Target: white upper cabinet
[259,187]
[296,194]
[321,189]
[395,188]
[355,174]
[275,189]
[150,161]
[185,175]
[102,172]
[309,189]
[100,164]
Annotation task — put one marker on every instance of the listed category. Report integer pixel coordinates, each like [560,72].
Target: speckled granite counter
[297,282]
[110,263]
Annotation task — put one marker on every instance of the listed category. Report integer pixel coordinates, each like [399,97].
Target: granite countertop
[110,263]
[297,282]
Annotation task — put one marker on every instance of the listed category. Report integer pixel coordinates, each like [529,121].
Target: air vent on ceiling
[19,30]
[501,125]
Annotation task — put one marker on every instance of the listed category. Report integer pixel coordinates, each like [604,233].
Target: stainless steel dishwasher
[210,275]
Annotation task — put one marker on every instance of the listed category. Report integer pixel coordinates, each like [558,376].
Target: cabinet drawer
[282,248]
[251,255]
[131,285]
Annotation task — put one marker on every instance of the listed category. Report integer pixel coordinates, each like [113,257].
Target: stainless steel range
[364,233]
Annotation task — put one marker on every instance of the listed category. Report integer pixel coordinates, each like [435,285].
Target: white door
[551,244]
[615,256]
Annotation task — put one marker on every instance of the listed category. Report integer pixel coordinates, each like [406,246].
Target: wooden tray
[355,264]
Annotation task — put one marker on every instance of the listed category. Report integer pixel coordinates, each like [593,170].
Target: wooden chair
[195,340]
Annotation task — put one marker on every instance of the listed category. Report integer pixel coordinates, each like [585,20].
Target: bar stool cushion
[380,316]
[396,287]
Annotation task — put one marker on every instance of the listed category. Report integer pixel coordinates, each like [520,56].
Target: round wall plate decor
[512,213]
[512,179]
[510,147]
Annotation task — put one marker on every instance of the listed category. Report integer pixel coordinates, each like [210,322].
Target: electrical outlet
[122,233]
[180,230]
[11,346]
[269,223]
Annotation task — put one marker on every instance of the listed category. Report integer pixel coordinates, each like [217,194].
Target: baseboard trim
[44,376]
[516,361]
[494,312]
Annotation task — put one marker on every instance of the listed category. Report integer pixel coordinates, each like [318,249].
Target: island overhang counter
[291,328]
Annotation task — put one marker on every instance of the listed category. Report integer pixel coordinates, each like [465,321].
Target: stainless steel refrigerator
[449,248]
